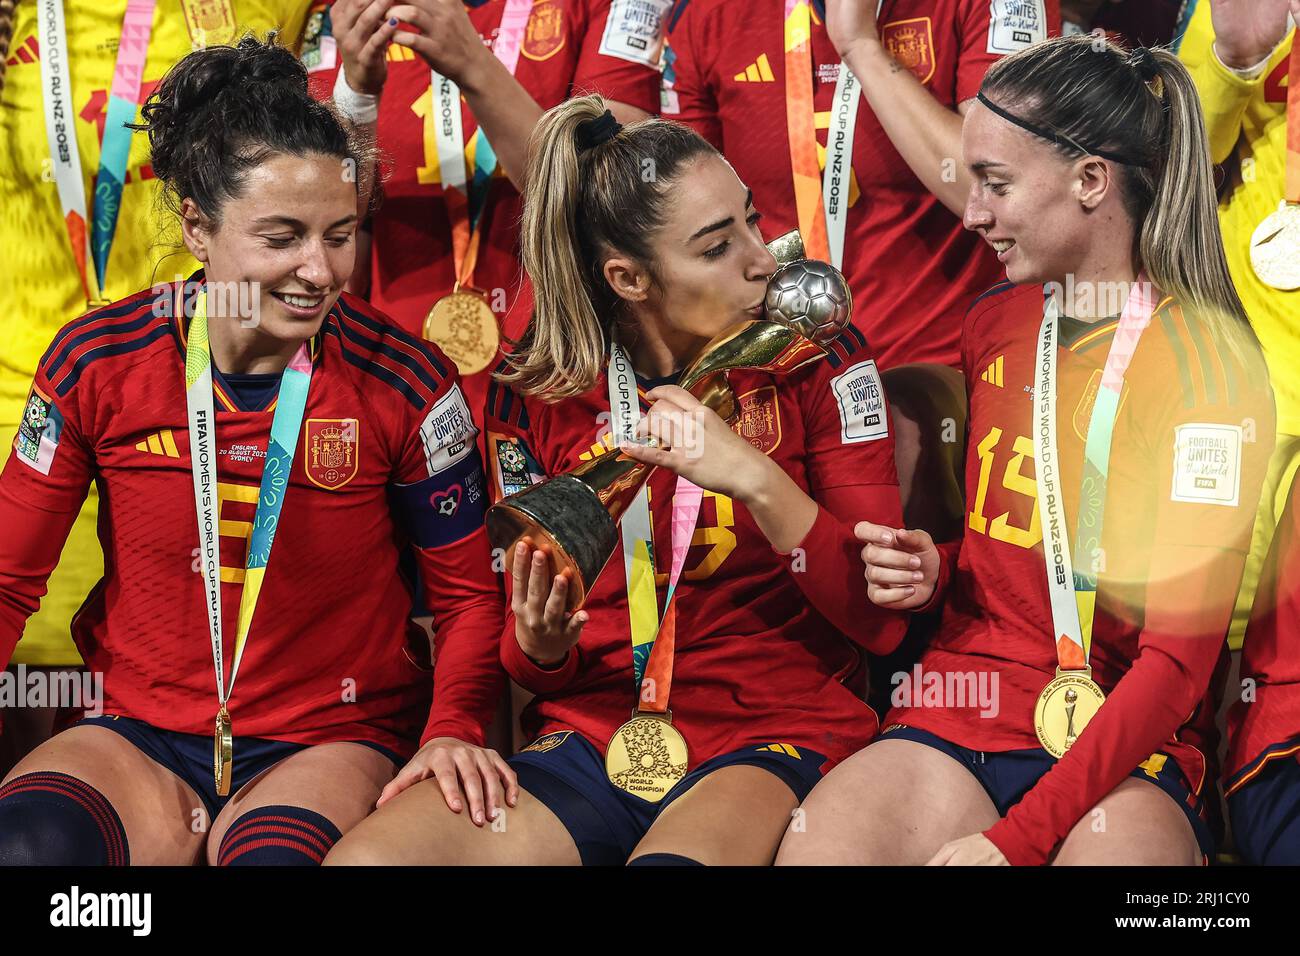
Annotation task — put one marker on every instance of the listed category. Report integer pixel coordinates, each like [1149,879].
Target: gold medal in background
[223,753]
[464,326]
[1275,244]
[1064,708]
[647,756]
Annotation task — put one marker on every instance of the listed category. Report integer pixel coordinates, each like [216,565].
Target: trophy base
[564,517]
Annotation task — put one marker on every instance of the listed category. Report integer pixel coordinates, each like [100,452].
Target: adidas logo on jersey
[993,374]
[159,443]
[29,52]
[396,52]
[760,71]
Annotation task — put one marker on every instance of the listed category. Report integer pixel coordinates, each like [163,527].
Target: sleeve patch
[447,507]
[38,433]
[1016,24]
[512,464]
[447,432]
[1207,463]
[861,401]
[634,30]
[319,48]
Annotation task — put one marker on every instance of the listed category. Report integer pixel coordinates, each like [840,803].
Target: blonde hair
[7,14]
[581,206]
[1142,106]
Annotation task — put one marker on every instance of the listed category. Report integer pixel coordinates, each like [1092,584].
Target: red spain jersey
[762,652]
[386,457]
[1264,721]
[911,265]
[1189,452]
[570,47]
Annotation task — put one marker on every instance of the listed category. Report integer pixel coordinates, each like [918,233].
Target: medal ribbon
[466,201]
[60,131]
[822,207]
[1072,582]
[115,149]
[290,405]
[1293,122]
[654,639]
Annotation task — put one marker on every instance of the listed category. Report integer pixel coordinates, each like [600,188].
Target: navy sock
[663,859]
[55,819]
[277,836]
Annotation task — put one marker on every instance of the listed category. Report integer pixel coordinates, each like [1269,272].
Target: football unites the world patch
[1207,463]
[1016,24]
[448,432]
[634,32]
[861,401]
[37,440]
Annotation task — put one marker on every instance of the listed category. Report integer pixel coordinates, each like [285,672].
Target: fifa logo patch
[759,422]
[911,43]
[38,433]
[331,451]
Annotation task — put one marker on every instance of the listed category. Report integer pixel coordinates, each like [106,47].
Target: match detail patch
[1207,463]
[38,433]
[634,30]
[1016,24]
[861,401]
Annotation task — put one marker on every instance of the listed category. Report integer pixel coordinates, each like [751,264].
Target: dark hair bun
[223,109]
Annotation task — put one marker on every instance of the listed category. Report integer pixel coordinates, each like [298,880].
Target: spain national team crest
[331,451]
[759,420]
[544,34]
[911,43]
[1083,411]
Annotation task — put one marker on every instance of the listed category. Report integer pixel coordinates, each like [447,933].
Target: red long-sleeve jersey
[1264,721]
[1188,457]
[765,641]
[386,456]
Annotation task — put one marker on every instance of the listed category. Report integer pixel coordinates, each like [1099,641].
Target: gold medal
[646,757]
[463,325]
[1064,708]
[223,747]
[1275,248]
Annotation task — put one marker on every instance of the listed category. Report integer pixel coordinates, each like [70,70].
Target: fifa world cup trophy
[574,516]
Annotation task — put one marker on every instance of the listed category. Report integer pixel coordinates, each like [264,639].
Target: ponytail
[589,197]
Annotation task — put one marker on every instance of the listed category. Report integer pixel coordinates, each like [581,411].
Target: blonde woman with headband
[1120,425]
[642,245]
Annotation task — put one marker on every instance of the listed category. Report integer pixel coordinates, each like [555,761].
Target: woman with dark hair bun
[263,446]
[1120,426]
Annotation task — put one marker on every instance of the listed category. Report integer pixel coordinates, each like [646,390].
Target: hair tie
[1148,68]
[592,132]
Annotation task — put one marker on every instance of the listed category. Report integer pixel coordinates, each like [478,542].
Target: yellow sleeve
[1224,95]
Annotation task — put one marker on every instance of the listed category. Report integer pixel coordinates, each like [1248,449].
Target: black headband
[1052,136]
[591,133]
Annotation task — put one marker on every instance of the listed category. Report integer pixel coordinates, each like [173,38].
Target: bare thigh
[893,803]
[156,807]
[1136,824]
[416,828]
[340,781]
[733,817]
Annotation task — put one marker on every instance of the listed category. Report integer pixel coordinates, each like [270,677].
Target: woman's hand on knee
[973,850]
[465,774]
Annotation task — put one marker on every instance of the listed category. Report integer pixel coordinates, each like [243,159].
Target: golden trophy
[574,516]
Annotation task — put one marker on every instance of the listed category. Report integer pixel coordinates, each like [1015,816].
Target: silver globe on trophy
[574,516]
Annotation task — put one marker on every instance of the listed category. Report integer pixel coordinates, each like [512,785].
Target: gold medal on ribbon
[1275,248]
[1064,708]
[464,326]
[223,753]
[646,757]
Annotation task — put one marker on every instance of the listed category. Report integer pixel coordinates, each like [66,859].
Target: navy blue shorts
[189,756]
[1008,775]
[567,774]
[1265,815]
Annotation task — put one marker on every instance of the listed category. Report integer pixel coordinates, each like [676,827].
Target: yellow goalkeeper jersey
[1246,121]
[40,288]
